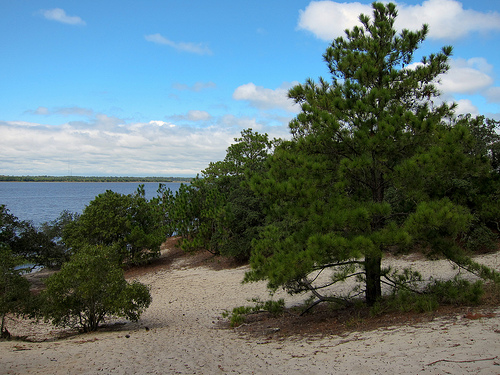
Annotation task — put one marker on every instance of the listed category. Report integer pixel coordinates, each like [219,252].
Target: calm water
[44,201]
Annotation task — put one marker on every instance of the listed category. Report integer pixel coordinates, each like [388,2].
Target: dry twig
[464,361]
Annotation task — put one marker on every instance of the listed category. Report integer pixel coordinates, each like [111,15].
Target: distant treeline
[92,179]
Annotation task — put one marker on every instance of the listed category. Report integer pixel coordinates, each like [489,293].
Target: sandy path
[183,338]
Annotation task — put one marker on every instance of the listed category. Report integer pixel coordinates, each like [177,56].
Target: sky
[162,88]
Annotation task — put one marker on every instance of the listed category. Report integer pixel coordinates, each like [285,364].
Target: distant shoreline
[92,179]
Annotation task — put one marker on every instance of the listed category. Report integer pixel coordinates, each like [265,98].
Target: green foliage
[374,166]
[162,207]
[405,301]
[457,291]
[219,212]
[486,135]
[132,225]
[14,288]
[237,315]
[57,253]
[199,210]
[89,288]
[27,241]
[480,238]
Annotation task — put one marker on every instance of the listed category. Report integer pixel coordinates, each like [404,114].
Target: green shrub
[14,288]
[237,315]
[88,289]
[480,238]
[405,301]
[457,291]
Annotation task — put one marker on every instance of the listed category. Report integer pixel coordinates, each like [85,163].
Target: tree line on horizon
[377,164]
[4,178]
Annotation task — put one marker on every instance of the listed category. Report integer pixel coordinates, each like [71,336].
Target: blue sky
[161,88]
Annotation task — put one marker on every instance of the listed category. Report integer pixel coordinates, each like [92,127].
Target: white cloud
[197,87]
[107,145]
[328,20]
[68,111]
[196,115]
[467,76]
[59,15]
[264,98]
[198,48]
[240,122]
[161,123]
[65,111]
[39,111]
[465,106]
[446,18]
[493,94]
[192,115]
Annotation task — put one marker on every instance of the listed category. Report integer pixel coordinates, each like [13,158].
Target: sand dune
[180,334]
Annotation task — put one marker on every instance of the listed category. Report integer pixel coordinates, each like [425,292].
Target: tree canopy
[371,169]
[129,223]
[218,211]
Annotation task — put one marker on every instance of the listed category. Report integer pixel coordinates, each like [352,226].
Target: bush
[480,238]
[130,224]
[89,288]
[237,315]
[457,291]
[14,289]
[57,253]
[26,241]
[405,301]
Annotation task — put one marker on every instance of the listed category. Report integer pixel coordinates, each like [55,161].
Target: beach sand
[181,333]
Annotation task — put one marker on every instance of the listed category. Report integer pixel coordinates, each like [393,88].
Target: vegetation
[14,288]
[237,315]
[26,241]
[130,224]
[54,230]
[89,288]
[219,212]
[376,165]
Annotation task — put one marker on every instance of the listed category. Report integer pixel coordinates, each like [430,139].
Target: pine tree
[367,168]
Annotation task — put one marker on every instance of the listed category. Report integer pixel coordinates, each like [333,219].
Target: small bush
[457,291]
[237,315]
[405,301]
[481,238]
[88,289]
[15,294]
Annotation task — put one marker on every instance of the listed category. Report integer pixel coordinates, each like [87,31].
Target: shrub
[130,224]
[457,291]
[237,315]
[14,289]
[89,288]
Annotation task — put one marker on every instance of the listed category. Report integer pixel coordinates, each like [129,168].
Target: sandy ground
[181,334]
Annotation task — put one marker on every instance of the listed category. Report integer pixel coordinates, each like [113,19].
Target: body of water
[44,201]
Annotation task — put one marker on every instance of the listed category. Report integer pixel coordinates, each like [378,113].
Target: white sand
[183,338]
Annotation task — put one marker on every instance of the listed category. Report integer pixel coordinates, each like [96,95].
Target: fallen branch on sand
[464,361]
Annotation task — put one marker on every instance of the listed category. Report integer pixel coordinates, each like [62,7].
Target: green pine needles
[376,165]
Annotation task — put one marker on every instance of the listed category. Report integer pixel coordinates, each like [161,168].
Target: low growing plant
[457,291]
[237,315]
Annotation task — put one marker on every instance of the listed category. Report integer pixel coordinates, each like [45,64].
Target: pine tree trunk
[373,270]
